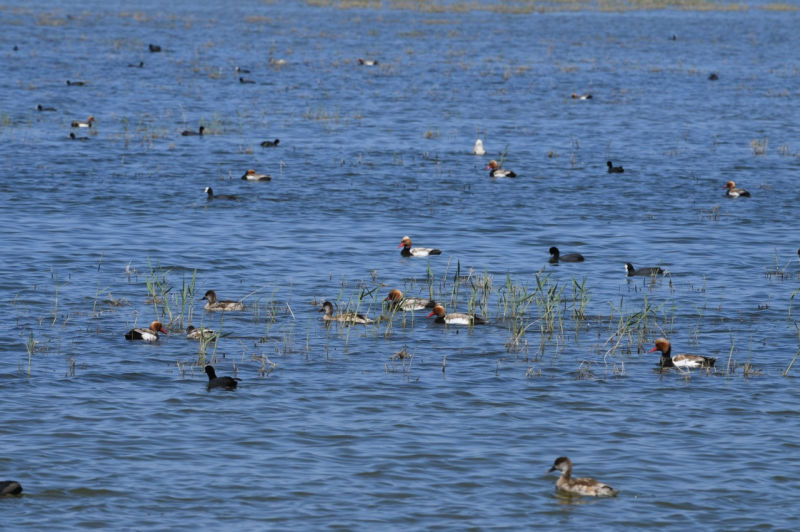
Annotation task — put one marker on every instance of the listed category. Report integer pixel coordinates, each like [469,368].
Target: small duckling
[579,486]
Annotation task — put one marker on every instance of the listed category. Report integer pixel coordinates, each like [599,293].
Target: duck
[41,108]
[220,306]
[734,192]
[270,143]
[642,272]
[10,487]
[496,171]
[153,48]
[140,65]
[73,136]
[713,76]
[408,251]
[556,256]
[147,335]
[199,333]
[680,361]
[454,318]
[576,96]
[579,486]
[252,175]
[240,70]
[478,149]
[211,196]
[189,132]
[229,383]
[367,62]
[348,317]
[78,123]
[245,80]
[614,169]
[76,83]
[398,302]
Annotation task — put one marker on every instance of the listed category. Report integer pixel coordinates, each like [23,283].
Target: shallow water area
[403,424]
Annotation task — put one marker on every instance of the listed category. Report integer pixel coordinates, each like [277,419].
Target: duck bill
[431,314]
[400,245]
[652,350]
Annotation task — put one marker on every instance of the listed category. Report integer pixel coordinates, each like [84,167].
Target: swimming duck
[189,132]
[579,486]
[614,169]
[734,192]
[643,272]
[229,383]
[140,65]
[245,80]
[348,317]
[40,108]
[199,333]
[576,96]
[78,123]
[241,70]
[713,76]
[367,62]
[398,302]
[408,251]
[556,256]
[72,136]
[154,48]
[455,318]
[251,175]
[496,171]
[76,83]
[478,149]
[10,487]
[214,306]
[680,361]
[211,196]
[270,143]
[147,335]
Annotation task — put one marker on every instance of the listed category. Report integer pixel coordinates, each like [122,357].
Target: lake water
[330,429]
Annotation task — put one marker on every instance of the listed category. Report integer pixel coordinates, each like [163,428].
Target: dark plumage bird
[40,107]
[556,256]
[245,80]
[154,48]
[713,76]
[189,132]
[76,83]
[10,487]
[140,65]
[229,383]
[270,143]
[614,169]
[73,136]
[642,272]
[212,196]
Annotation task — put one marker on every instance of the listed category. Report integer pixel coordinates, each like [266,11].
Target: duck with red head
[733,192]
[398,302]
[78,123]
[579,486]
[455,318]
[680,361]
[496,171]
[146,335]
[408,251]
[252,175]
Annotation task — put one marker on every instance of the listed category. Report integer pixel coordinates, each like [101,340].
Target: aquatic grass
[30,346]
[796,355]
